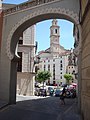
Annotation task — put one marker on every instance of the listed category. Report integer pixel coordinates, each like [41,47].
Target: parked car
[50,91]
[70,93]
[36,92]
[40,92]
[57,92]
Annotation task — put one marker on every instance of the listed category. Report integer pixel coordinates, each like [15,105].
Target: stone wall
[1,22]
[85,89]
[25,83]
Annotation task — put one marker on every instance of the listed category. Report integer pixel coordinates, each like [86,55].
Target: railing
[26,5]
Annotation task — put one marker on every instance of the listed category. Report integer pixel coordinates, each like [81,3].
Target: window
[53,77]
[48,67]
[61,61]
[56,31]
[54,82]
[53,65]
[53,60]
[61,77]
[61,66]
[48,60]
[20,42]
[44,67]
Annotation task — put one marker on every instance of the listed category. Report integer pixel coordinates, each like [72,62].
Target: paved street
[48,108]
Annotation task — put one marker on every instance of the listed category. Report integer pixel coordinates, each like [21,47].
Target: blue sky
[14,1]
[43,34]
[43,31]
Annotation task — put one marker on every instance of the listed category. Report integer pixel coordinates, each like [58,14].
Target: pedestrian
[62,96]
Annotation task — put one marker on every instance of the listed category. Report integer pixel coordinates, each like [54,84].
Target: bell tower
[54,38]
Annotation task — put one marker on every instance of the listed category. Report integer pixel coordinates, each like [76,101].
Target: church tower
[54,39]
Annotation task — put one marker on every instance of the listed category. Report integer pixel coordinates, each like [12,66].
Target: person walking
[62,96]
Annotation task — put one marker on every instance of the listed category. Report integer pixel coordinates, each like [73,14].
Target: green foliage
[42,76]
[68,78]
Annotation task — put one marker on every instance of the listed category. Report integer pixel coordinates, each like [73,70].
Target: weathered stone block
[86,73]
[86,62]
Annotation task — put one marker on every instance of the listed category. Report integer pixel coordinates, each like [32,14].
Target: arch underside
[34,17]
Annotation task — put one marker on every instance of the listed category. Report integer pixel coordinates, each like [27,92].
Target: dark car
[50,91]
[43,92]
[40,92]
[70,93]
[57,92]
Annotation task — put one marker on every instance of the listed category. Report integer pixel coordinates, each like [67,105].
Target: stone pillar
[8,79]
[13,82]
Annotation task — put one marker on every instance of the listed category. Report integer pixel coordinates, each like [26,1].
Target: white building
[54,58]
[57,68]
[26,71]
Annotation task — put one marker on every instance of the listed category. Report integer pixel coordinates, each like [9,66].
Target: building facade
[57,68]
[26,71]
[72,67]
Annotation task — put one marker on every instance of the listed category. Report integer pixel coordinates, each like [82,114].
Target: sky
[43,34]
[43,31]
[14,1]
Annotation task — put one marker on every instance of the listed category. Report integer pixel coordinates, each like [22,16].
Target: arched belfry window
[56,31]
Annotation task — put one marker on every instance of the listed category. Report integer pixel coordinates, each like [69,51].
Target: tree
[68,78]
[42,76]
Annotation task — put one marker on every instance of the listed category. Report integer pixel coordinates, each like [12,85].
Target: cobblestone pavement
[41,109]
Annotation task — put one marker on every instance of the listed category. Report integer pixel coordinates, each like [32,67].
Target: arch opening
[22,25]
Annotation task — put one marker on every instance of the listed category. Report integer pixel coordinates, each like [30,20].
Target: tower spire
[54,22]
[54,38]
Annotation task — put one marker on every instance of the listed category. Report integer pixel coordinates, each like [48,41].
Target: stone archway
[12,39]
[70,15]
